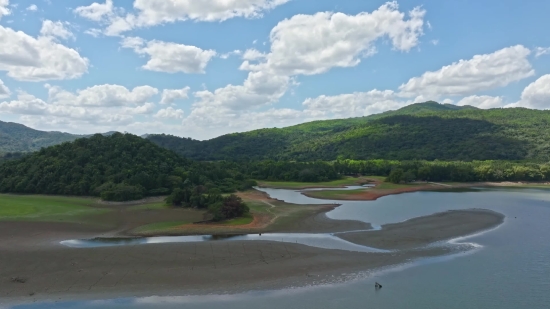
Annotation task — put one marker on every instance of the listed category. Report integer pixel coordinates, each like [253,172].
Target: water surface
[511,269]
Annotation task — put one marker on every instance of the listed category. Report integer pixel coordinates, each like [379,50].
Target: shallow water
[511,269]
[325,241]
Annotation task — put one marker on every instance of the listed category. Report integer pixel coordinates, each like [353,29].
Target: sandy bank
[422,231]
[53,272]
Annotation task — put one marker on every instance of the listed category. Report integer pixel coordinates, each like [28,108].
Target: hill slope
[16,137]
[420,131]
[116,167]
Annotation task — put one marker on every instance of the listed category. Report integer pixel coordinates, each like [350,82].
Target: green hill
[426,131]
[16,137]
[115,167]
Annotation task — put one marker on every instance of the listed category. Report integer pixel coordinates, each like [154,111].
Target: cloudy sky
[202,68]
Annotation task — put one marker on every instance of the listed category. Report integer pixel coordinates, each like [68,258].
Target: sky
[204,68]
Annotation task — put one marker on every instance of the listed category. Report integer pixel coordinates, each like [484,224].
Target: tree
[230,207]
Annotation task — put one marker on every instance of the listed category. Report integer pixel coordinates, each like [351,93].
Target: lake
[511,268]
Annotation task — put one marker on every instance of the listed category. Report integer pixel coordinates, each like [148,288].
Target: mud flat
[36,267]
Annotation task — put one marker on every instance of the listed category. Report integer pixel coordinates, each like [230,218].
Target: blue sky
[202,68]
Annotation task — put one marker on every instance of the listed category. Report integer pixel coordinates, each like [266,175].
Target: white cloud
[156,12]
[313,44]
[467,77]
[306,45]
[539,51]
[169,113]
[169,96]
[355,104]
[37,59]
[32,8]
[170,57]
[102,96]
[96,11]
[144,109]
[536,95]
[4,91]
[4,8]
[253,54]
[434,42]
[55,29]
[483,101]
[229,54]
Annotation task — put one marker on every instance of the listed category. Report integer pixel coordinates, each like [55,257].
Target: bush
[230,207]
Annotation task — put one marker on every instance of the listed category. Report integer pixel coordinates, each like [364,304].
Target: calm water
[511,270]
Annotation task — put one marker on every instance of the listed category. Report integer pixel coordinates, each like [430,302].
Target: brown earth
[34,266]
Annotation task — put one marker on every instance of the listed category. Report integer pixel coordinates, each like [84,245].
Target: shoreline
[373,193]
[54,272]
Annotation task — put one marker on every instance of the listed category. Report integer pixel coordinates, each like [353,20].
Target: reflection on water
[325,241]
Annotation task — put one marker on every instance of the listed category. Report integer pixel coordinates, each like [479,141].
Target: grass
[246,219]
[159,226]
[152,206]
[347,181]
[47,208]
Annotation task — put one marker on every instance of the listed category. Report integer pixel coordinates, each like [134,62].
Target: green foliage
[229,207]
[423,131]
[118,167]
[458,171]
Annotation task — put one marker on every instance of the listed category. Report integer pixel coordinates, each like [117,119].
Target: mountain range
[425,131]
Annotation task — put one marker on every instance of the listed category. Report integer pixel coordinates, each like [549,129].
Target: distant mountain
[419,131]
[16,137]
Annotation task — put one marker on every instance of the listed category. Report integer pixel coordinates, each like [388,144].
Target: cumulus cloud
[229,54]
[483,101]
[313,44]
[170,96]
[109,107]
[55,30]
[38,59]
[536,95]
[96,11]
[307,45]
[169,113]
[4,10]
[102,96]
[253,54]
[467,77]
[4,91]
[170,57]
[355,104]
[32,8]
[155,12]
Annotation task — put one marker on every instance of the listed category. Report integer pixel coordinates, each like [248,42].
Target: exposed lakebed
[510,271]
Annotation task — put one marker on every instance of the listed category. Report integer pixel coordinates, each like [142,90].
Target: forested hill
[116,167]
[426,131]
[16,137]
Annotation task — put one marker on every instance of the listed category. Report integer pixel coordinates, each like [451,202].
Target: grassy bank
[47,208]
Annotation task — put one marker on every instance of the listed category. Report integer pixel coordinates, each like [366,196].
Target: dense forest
[116,167]
[458,171]
[423,131]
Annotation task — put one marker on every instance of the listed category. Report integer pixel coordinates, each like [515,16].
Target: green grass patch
[159,226]
[46,208]
[246,219]
[347,181]
[152,206]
